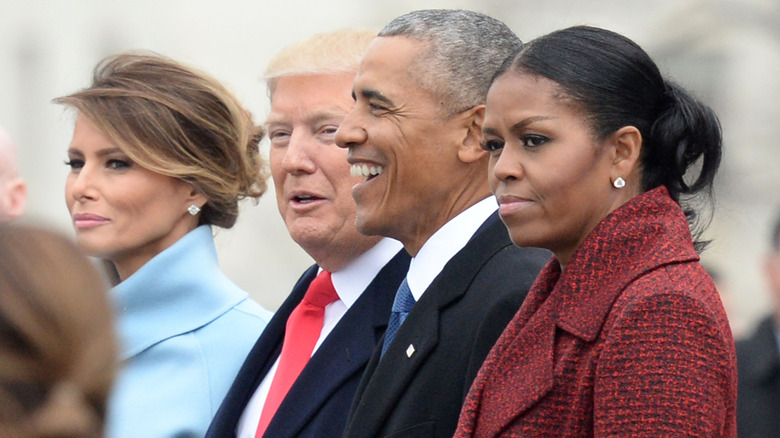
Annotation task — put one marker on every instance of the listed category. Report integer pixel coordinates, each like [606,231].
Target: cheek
[275,158]
[491,176]
[277,174]
[343,201]
[69,201]
[281,204]
[279,191]
[339,179]
[156,200]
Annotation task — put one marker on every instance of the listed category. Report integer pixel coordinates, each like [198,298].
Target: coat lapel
[613,255]
[258,362]
[577,301]
[344,352]
[418,337]
[523,357]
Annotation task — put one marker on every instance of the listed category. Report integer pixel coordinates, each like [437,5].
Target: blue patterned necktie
[401,306]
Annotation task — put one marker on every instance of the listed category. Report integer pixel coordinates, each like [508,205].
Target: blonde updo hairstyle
[57,348]
[177,121]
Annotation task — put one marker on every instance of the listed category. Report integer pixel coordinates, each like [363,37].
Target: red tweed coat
[632,340]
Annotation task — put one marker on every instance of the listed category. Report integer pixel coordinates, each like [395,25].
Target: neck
[415,241]
[334,259]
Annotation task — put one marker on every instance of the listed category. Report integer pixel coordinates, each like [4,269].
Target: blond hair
[178,121]
[57,347]
[339,51]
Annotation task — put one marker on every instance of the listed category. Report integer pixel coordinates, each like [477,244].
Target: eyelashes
[492,145]
[113,164]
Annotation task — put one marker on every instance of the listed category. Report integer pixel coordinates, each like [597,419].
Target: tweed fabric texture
[631,340]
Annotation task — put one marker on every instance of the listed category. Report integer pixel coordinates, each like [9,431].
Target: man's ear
[469,149]
[627,147]
[17,198]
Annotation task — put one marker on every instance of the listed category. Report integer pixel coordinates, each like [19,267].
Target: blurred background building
[726,51]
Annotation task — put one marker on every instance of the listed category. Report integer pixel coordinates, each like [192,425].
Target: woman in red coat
[595,157]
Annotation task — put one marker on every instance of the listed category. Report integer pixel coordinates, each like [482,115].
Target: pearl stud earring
[619,183]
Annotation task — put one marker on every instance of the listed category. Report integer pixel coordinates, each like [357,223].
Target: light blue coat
[184,330]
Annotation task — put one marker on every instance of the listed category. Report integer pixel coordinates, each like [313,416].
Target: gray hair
[464,50]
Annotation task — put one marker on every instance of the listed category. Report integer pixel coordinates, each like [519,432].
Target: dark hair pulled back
[616,83]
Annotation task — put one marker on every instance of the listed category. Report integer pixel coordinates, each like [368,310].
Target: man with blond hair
[300,378]
[13,191]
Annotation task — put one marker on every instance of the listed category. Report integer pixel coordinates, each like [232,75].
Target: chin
[311,238]
[98,253]
[521,239]
[92,247]
[367,227]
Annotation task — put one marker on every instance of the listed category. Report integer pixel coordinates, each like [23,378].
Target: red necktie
[303,329]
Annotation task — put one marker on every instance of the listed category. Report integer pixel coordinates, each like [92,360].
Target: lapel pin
[410,350]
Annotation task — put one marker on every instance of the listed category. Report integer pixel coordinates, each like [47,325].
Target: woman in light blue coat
[161,153]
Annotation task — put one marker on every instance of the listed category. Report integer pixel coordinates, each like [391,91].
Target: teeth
[365,170]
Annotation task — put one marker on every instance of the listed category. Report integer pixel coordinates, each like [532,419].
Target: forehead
[311,92]
[389,64]
[88,134]
[516,100]
[521,90]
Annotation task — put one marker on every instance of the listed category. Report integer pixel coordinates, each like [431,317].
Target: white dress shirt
[445,243]
[349,283]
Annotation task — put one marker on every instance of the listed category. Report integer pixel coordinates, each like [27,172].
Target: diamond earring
[619,183]
[193,209]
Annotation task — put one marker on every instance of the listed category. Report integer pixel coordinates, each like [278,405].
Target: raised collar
[647,232]
[177,291]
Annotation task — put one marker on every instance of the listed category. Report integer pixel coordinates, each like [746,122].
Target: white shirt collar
[445,243]
[351,281]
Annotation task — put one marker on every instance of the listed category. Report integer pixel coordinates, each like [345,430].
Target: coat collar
[257,363]
[391,376]
[177,291]
[344,352]
[645,233]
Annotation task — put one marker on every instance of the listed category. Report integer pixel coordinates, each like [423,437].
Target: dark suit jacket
[451,329]
[318,402]
[758,392]
[631,340]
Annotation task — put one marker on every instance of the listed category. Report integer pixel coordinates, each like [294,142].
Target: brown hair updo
[180,122]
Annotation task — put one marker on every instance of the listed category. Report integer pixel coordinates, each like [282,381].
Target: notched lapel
[527,362]
[322,377]
[345,351]
[422,333]
[257,363]
[396,370]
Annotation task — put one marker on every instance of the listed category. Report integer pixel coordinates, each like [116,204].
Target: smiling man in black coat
[414,136]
